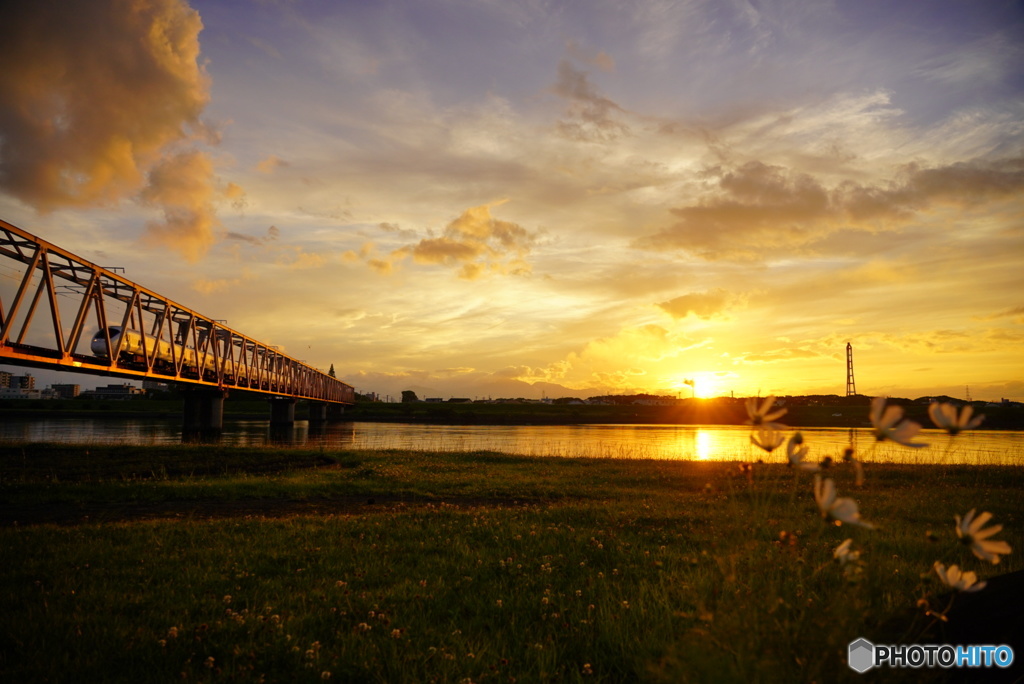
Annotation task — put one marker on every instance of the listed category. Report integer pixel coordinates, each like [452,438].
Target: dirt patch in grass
[213,509]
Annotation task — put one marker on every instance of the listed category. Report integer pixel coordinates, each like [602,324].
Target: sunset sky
[499,198]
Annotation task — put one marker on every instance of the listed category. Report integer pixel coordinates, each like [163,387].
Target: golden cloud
[92,93]
[298,259]
[184,187]
[924,343]
[271,164]
[785,354]
[445,250]
[96,102]
[704,305]
[616,361]
[480,243]
[476,243]
[206,286]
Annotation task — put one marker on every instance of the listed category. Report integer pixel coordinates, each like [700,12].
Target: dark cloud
[915,188]
[757,209]
[404,233]
[1016,313]
[252,240]
[590,115]
[754,207]
[272,233]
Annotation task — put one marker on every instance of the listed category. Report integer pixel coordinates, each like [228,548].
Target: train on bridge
[133,352]
[50,298]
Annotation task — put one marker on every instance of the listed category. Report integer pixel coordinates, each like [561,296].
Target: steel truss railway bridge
[61,312]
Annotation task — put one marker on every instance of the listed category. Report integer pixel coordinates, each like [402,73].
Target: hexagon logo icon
[861,655]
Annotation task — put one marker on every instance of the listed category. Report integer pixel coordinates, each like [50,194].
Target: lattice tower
[851,386]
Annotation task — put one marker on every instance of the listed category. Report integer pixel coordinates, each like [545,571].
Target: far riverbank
[842,413]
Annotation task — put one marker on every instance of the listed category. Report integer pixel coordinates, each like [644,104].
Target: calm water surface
[689,442]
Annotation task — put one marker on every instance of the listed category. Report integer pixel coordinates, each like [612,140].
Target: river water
[687,442]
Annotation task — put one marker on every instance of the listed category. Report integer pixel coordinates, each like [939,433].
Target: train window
[114,332]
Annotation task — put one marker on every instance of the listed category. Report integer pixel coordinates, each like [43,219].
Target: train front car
[99,341]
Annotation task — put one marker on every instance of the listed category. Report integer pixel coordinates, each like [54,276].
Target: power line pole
[851,386]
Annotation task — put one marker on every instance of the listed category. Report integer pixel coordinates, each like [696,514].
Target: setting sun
[702,385]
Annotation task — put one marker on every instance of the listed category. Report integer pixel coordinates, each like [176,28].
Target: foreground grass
[466,567]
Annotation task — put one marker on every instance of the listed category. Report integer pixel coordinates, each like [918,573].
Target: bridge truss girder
[45,323]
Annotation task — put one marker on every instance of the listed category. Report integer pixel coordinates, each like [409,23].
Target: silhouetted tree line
[627,399]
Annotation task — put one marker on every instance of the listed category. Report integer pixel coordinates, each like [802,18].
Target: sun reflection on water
[703,445]
[683,442]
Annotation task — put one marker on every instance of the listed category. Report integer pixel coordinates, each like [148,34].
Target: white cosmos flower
[759,415]
[796,451]
[889,424]
[844,555]
[953,577]
[945,418]
[841,509]
[768,439]
[970,533]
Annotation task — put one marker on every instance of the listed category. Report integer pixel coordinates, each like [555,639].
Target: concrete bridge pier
[320,415]
[335,412]
[282,411]
[282,419]
[317,413]
[317,419]
[203,414]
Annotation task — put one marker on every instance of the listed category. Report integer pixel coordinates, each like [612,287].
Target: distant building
[155,386]
[66,391]
[124,391]
[16,384]
[656,401]
[18,393]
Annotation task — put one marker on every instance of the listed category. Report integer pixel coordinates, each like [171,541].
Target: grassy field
[139,564]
